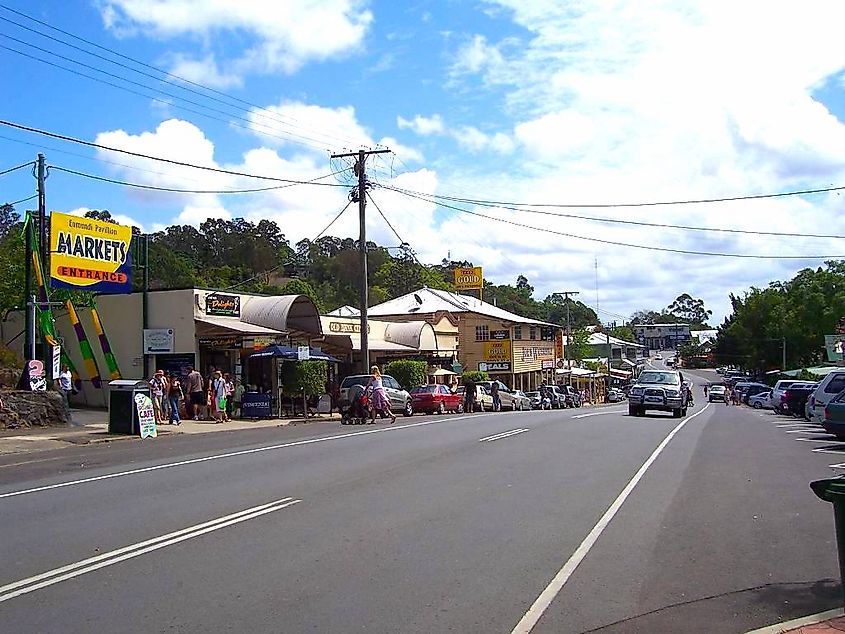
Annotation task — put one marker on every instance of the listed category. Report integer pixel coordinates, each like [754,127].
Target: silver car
[400,399]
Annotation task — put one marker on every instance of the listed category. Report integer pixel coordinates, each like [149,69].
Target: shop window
[532,333]
[517,332]
[482,333]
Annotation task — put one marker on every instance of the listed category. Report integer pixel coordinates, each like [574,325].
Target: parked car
[535,399]
[749,388]
[829,387]
[794,400]
[779,389]
[400,400]
[762,400]
[661,390]
[572,397]
[483,400]
[436,398]
[834,416]
[615,395]
[717,393]
[557,396]
[658,356]
[522,402]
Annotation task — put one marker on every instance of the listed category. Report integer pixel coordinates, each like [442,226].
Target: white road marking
[610,411]
[542,603]
[793,425]
[52,577]
[233,454]
[832,450]
[801,431]
[826,441]
[505,434]
[839,465]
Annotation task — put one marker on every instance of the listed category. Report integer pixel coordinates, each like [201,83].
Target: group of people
[214,397]
[370,400]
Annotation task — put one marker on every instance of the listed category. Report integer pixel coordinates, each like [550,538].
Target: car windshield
[717,388]
[355,380]
[666,378]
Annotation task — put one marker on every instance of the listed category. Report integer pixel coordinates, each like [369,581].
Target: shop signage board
[146,416]
[57,361]
[221,343]
[469,278]
[500,335]
[90,255]
[548,364]
[259,343]
[158,340]
[255,405]
[303,353]
[559,345]
[36,375]
[220,305]
[501,366]
[497,351]
[538,353]
[345,327]
[835,347]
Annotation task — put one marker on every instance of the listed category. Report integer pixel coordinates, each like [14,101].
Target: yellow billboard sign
[468,278]
[90,254]
[497,351]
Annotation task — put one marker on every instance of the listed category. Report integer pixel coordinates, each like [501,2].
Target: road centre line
[234,454]
[506,434]
[52,577]
[542,603]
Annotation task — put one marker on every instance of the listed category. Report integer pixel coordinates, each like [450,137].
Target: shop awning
[230,325]
[288,353]
[620,374]
[285,313]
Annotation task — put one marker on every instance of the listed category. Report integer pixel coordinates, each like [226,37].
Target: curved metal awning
[287,313]
[419,335]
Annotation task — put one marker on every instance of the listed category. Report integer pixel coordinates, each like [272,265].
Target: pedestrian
[196,395]
[230,392]
[494,392]
[64,383]
[380,402]
[174,396]
[728,397]
[158,390]
[469,396]
[706,389]
[238,397]
[217,396]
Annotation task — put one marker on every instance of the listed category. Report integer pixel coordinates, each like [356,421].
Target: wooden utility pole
[359,195]
[566,295]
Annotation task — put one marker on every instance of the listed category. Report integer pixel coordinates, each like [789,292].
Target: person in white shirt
[64,383]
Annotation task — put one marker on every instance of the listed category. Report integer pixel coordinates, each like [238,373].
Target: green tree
[625,333]
[644,317]
[302,287]
[578,346]
[689,310]
[474,376]
[408,373]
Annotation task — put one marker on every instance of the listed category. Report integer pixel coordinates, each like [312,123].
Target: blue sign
[255,405]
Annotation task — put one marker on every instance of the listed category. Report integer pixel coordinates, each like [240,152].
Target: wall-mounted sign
[835,347]
[468,278]
[501,366]
[538,353]
[346,327]
[221,343]
[89,254]
[158,340]
[548,364]
[497,351]
[500,334]
[220,305]
[559,344]
[259,343]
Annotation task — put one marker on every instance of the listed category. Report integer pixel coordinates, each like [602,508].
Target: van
[830,386]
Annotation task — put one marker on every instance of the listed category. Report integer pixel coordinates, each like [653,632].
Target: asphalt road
[477,523]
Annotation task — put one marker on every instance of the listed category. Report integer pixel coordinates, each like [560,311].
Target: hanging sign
[220,305]
[146,416]
[89,254]
[57,361]
[468,278]
[303,353]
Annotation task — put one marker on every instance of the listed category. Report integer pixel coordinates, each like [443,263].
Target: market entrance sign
[469,278]
[90,255]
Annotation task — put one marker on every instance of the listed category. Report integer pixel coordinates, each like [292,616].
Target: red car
[436,398]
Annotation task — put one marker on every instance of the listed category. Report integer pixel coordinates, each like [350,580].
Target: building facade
[662,336]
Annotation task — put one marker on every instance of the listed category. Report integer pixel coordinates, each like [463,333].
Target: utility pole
[359,194]
[566,295]
[783,360]
[44,247]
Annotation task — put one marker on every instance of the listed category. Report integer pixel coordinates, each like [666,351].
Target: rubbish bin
[123,415]
[833,490]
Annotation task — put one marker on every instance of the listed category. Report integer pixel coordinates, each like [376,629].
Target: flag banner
[105,346]
[84,347]
[90,255]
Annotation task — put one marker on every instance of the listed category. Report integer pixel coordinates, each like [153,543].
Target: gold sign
[497,351]
[469,278]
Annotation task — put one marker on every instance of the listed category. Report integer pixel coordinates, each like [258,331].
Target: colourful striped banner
[111,362]
[84,346]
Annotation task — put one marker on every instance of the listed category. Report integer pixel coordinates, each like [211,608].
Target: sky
[566,108]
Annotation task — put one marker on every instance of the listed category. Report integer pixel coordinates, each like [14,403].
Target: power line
[175,80]
[22,200]
[328,226]
[403,243]
[17,167]
[70,139]
[193,191]
[627,244]
[637,222]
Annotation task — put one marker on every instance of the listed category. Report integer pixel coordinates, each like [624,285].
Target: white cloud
[205,71]
[423,126]
[277,36]
[120,219]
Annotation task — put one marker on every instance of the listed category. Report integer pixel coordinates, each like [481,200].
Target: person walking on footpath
[64,383]
[238,397]
[174,396]
[497,400]
[230,392]
[158,389]
[196,395]
[380,403]
[218,396]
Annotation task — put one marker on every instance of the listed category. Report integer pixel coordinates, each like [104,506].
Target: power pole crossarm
[361,193]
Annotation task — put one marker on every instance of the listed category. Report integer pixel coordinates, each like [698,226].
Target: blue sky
[546,102]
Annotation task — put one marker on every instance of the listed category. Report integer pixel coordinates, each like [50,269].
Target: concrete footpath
[91,426]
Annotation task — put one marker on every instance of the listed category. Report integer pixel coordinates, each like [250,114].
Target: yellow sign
[468,278]
[90,254]
[497,351]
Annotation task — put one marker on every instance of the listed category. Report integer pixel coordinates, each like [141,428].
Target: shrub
[474,376]
[309,376]
[408,373]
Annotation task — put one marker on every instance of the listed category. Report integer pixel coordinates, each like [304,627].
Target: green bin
[833,490]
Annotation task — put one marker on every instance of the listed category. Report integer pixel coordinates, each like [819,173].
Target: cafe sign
[221,343]
[219,305]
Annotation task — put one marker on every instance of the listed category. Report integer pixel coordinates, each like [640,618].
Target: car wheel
[460,409]
[441,409]
[480,406]
[409,409]
[758,405]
